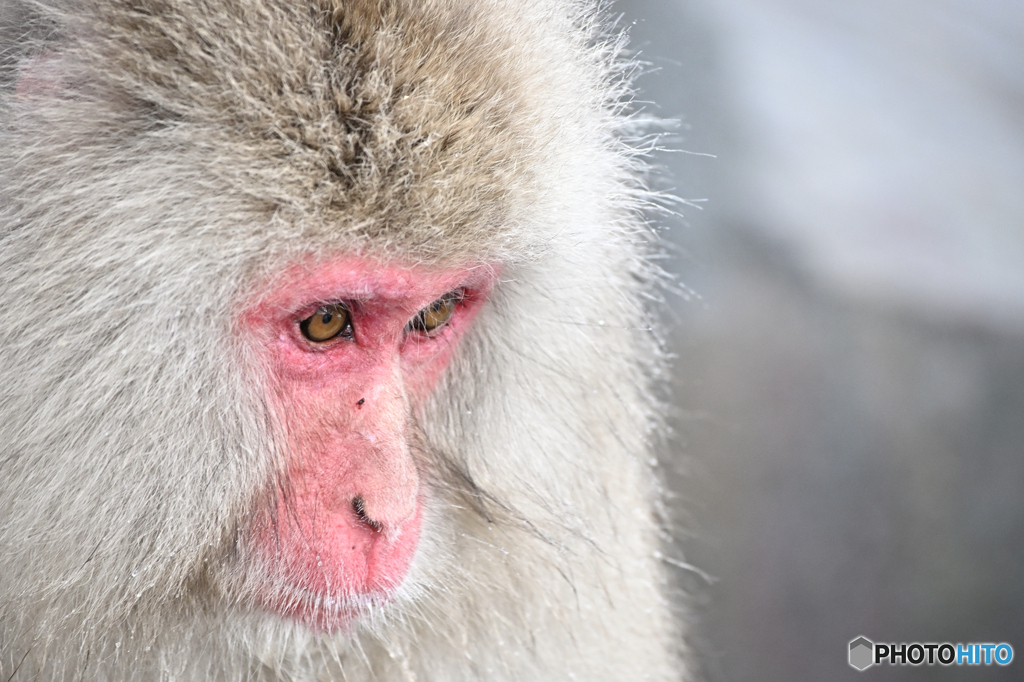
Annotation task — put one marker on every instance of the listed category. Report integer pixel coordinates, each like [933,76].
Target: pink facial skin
[41,77]
[348,526]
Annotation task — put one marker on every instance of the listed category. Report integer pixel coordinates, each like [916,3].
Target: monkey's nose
[386,510]
[359,507]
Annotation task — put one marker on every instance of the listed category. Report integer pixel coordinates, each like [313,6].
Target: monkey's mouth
[322,613]
[330,576]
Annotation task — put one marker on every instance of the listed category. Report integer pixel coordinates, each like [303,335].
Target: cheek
[421,375]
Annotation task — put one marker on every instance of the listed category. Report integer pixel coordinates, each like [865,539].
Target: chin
[323,610]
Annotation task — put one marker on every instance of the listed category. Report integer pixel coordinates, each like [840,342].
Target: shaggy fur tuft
[160,161]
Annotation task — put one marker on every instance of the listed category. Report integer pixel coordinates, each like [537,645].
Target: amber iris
[328,322]
[435,315]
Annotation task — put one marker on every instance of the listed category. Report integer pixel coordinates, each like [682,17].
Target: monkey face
[352,350]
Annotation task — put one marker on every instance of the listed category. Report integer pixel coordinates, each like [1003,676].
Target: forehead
[407,127]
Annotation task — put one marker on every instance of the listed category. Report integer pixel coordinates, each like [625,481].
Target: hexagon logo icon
[862,653]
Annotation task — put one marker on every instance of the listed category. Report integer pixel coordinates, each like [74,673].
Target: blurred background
[850,331]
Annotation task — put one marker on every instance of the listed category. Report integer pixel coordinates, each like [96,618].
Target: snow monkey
[324,345]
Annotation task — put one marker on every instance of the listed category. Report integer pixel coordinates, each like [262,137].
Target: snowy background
[850,375]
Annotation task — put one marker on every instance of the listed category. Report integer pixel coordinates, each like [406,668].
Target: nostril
[359,507]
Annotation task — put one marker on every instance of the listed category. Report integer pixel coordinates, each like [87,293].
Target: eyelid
[418,324]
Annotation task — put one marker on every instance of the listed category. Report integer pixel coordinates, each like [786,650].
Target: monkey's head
[320,314]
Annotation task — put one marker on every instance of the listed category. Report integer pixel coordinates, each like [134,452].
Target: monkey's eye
[435,315]
[326,323]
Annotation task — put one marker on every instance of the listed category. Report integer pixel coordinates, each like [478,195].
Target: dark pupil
[326,318]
